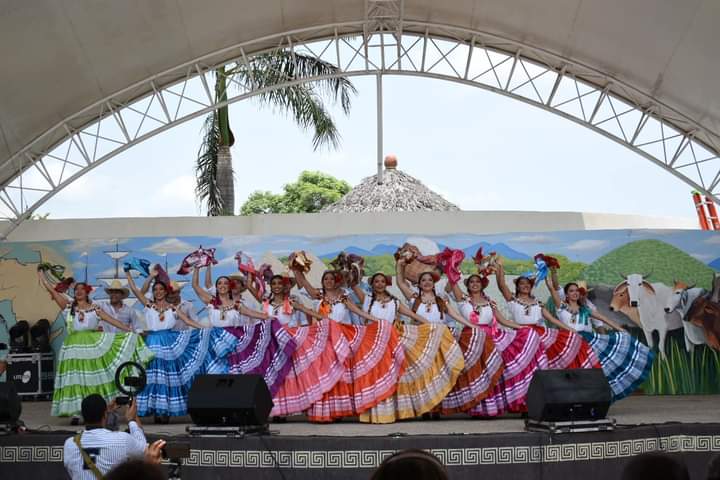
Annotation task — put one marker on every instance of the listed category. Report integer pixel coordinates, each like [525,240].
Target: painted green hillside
[570,271]
[663,260]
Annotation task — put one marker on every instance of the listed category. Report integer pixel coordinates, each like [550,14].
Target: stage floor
[687,427]
[634,410]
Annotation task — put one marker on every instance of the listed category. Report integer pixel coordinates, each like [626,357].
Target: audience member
[414,464]
[655,466]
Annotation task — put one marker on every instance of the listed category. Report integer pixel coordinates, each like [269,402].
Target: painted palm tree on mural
[304,101]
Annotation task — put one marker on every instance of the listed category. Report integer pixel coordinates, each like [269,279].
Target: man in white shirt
[91,454]
[116,307]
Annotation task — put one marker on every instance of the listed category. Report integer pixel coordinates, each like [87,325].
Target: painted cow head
[678,297]
[635,284]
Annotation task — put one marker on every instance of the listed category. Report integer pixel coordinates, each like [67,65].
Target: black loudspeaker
[568,395]
[229,400]
[10,406]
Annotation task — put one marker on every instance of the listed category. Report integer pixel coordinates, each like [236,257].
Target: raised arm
[402,283]
[58,297]
[456,291]
[111,320]
[554,320]
[359,292]
[148,281]
[250,285]
[208,277]
[552,286]
[202,294]
[133,288]
[500,278]
[302,282]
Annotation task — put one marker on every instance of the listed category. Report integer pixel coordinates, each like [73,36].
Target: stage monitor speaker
[10,406]
[229,400]
[568,395]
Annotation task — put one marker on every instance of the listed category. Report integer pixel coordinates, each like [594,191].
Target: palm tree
[304,101]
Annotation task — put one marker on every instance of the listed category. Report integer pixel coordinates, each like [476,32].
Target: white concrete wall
[328,224]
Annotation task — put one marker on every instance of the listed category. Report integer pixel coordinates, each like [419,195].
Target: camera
[176,450]
[122,400]
[135,382]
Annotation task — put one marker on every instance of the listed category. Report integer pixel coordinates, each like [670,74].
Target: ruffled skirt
[179,358]
[87,362]
[522,354]
[626,362]
[566,349]
[372,370]
[317,365]
[481,374]
[264,348]
[434,364]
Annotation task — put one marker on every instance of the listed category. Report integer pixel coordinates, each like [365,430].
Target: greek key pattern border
[451,457]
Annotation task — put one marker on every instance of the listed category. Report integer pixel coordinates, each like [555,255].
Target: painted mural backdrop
[668,260]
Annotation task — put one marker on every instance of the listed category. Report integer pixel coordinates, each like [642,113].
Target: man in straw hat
[116,307]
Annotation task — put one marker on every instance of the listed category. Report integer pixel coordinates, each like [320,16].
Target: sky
[478,149]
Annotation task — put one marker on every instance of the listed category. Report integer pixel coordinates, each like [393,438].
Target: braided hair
[441,304]
[372,292]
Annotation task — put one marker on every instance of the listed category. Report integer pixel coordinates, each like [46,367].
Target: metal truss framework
[382,44]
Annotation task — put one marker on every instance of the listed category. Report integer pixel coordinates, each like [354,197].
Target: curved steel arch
[377,46]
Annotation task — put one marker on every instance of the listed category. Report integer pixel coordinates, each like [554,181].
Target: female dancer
[224,309]
[521,349]
[318,364]
[563,347]
[433,358]
[376,359]
[332,300]
[88,358]
[625,361]
[263,347]
[179,355]
[482,365]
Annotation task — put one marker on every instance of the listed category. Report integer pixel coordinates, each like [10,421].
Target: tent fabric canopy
[59,57]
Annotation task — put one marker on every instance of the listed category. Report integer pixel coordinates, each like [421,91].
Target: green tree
[310,193]
[214,184]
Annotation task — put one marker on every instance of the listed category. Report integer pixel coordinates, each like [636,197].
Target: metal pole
[379,128]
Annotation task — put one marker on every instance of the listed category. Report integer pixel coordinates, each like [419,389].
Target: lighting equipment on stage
[574,400]
[40,336]
[10,408]
[20,337]
[229,405]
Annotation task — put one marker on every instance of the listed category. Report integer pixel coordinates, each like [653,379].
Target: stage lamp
[40,336]
[19,337]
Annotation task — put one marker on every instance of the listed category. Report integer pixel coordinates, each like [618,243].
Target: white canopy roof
[59,57]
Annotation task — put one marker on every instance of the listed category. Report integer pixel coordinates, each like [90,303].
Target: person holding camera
[89,455]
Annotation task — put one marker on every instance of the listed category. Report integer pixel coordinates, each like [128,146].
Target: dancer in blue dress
[179,355]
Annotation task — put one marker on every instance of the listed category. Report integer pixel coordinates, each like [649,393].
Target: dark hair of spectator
[412,464]
[655,466]
[713,472]
[93,408]
[136,470]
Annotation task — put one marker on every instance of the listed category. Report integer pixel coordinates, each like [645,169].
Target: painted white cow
[681,300]
[650,300]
